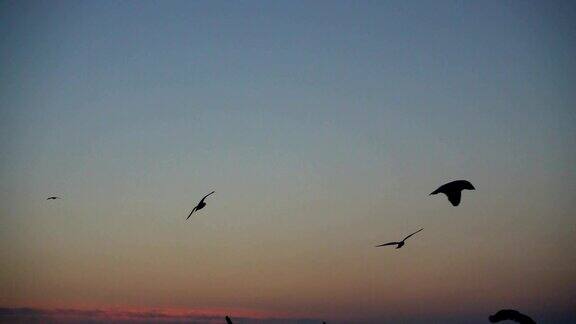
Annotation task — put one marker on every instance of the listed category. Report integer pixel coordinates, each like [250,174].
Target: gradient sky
[322,126]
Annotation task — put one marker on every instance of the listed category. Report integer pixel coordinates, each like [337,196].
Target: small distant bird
[453,190]
[228,320]
[200,205]
[511,315]
[401,243]
[53,198]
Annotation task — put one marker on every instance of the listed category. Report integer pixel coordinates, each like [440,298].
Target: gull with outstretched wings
[200,205]
[401,243]
[53,198]
[453,190]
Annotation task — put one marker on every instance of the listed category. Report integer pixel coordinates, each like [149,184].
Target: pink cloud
[202,316]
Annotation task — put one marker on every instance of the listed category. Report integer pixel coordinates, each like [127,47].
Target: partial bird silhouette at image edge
[228,320]
[511,315]
[200,205]
[453,190]
[401,243]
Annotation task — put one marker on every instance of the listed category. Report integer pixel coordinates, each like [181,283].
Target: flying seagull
[200,205]
[511,315]
[453,190]
[401,243]
[53,198]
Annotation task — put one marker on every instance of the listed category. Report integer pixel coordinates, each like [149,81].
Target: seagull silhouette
[53,198]
[401,243]
[228,320]
[453,190]
[511,315]
[200,205]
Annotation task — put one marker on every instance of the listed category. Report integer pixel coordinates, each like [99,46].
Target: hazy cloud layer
[27,314]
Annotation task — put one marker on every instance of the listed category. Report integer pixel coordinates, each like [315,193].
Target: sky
[321,125]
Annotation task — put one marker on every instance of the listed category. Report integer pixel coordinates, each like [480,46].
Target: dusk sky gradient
[321,125]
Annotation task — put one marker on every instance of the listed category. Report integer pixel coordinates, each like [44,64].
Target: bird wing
[454,197]
[228,320]
[457,185]
[207,195]
[439,190]
[463,184]
[193,210]
[385,244]
[412,234]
